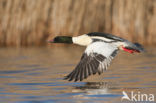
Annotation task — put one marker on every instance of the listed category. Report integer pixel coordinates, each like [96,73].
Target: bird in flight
[101,49]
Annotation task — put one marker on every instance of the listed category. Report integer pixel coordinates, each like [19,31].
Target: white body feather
[105,49]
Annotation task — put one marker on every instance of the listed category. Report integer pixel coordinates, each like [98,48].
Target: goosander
[101,49]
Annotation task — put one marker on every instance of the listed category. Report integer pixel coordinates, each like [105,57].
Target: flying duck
[101,49]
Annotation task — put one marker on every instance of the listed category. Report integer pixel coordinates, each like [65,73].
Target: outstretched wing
[96,59]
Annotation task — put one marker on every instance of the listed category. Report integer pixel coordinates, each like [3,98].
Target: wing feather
[93,61]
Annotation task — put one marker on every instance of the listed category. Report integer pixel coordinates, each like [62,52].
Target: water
[35,75]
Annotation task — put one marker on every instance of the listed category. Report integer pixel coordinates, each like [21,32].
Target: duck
[100,50]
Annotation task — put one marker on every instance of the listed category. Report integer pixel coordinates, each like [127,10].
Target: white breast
[83,40]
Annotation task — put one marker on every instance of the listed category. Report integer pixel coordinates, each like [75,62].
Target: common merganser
[101,49]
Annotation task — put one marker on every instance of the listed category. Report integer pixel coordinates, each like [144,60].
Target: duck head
[61,39]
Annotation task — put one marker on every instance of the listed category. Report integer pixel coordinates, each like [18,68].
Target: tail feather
[141,48]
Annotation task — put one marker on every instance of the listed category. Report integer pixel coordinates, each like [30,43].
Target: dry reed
[32,22]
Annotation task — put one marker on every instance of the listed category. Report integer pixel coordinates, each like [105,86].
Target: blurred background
[32,22]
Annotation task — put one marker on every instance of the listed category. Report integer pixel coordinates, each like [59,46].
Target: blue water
[35,75]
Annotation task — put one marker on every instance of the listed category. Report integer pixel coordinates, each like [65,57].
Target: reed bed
[32,22]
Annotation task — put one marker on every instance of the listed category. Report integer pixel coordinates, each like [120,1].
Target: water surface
[35,75]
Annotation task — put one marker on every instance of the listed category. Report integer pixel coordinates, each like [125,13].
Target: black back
[106,35]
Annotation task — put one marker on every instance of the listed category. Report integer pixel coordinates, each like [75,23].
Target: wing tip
[70,78]
[73,79]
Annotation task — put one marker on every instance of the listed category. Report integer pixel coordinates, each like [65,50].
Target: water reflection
[96,91]
[97,88]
